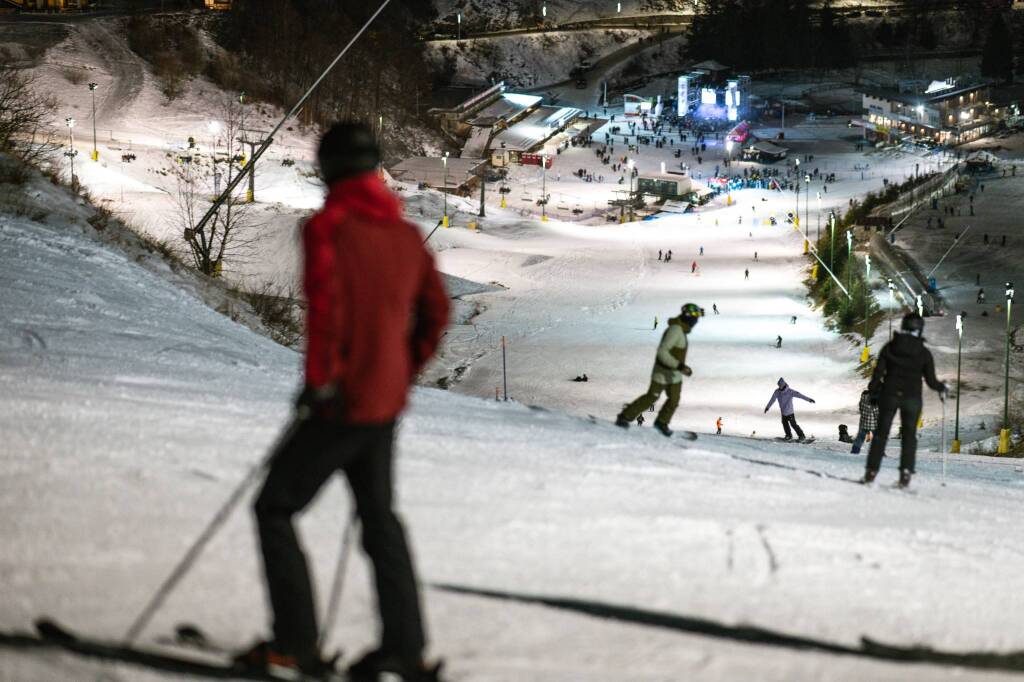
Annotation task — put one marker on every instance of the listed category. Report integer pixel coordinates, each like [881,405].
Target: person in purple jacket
[785,394]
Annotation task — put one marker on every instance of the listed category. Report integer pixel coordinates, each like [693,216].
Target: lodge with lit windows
[945,112]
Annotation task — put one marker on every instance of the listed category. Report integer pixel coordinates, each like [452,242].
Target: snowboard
[805,441]
[52,632]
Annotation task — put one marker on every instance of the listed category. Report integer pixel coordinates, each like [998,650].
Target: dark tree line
[767,34]
[285,44]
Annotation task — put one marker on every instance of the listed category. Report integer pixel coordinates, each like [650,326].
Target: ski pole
[334,601]
[185,564]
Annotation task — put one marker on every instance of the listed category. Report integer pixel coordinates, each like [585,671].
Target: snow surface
[129,410]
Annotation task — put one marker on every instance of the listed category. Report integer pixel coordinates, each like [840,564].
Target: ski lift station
[503,126]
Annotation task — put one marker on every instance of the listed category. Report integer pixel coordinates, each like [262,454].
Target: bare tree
[23,112]
[232,233]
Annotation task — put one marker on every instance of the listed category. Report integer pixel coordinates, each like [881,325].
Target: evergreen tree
[997,55]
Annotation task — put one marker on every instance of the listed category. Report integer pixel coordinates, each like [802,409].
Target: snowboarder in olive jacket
[896,386]
[669,369]
[785,394]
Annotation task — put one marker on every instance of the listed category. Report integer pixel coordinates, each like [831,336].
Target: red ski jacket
[377,306]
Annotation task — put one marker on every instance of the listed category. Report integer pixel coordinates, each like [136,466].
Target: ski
[53,632]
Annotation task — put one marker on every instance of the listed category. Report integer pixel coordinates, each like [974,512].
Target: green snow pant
[631,411]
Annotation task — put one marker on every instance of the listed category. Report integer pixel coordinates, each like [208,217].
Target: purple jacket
[785,397]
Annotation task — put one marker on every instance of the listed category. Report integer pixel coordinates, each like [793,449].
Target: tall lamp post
[807,203]
[70,122]
[892,288]
[458,35]
[544,188]
[1004,434]
[849,257]
[444,218]
[866,353]
[95,152]
[796,215]
[831,246]
[630,164]
[817,234]
[959,348]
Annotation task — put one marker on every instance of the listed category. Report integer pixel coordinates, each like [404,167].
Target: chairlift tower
[254,138]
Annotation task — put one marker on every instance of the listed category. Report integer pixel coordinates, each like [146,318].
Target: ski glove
[686,371]
[323,402]
[811,400]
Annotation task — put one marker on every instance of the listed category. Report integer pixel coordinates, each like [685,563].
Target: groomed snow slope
[129,411]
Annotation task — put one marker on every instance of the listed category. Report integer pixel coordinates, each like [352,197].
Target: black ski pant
[790,419]
[910,411]
[303,464]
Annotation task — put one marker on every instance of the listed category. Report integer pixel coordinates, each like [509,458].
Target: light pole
[959,348]
[831,246]
[630,164]
[444,218]
[70,122]
[796,216]
[458,21]
[214,128]
[1004,434]
[544,188]
[817,233]
[866,353]
[892,288]
[618,7]
[807,203]
[849,256]
[95,152]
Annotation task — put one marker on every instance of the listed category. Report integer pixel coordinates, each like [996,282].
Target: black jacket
[902,364]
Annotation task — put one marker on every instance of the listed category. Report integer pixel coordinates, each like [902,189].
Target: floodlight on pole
[95,151]
[544,11]
[544,187]
[70,123]
[866,353]
[849,257]
[444,218]
[618,7]
[959,349]
[458,21]
[1004,433]
[631,164]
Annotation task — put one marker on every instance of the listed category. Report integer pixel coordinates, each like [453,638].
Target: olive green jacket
[670,362]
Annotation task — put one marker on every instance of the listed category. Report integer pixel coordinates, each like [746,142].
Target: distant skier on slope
[896,386]
[784,394]
[366,276]
[669,370]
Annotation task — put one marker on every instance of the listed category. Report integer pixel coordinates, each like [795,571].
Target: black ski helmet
[913,324]
[347,149]
[691,313]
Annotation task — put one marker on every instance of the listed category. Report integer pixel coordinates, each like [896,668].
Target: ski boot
[663,429]
[787,438]
[621,422]
[869,477]
[376,663]
[904,481]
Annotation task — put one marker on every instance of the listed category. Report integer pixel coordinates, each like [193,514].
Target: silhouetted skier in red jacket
[377,309]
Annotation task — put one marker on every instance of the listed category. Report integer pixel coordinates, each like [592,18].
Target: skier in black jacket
[896,385]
